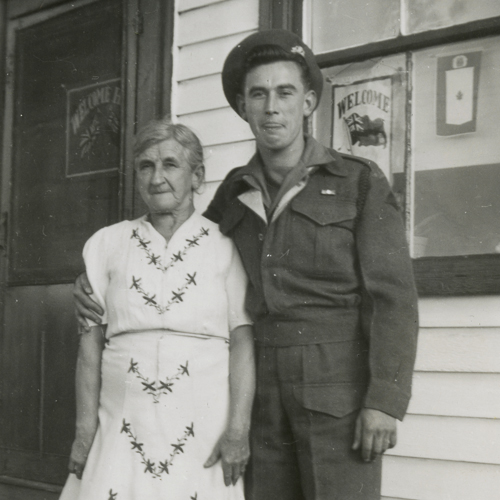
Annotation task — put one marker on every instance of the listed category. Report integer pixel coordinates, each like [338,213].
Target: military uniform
[335,309]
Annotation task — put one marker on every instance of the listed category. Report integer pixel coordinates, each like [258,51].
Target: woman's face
[165,179]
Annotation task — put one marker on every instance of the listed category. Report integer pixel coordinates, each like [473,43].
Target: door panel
[65,127]
[21,363]
[58,353]
[38,360]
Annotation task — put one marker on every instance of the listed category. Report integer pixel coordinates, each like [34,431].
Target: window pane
[346,23]
[362,112]
[66,150]
[455,149]
[422,15]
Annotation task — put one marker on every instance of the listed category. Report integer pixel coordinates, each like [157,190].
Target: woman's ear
[198,177]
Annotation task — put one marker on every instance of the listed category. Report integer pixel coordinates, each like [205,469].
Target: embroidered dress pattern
[164,387]
[155,260]
[114,496]
[176,296]
[163,467]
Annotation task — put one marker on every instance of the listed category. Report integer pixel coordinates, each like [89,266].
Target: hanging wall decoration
[93,128]
[361,120]
[457,92]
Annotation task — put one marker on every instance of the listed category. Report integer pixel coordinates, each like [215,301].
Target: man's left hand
[375,432]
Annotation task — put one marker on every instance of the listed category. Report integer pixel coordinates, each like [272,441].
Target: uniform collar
[314,155]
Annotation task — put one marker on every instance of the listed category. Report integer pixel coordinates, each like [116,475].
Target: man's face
[274,103]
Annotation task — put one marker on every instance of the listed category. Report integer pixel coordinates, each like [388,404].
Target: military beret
[233,70]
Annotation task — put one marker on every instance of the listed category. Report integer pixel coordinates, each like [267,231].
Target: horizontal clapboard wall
[449,440]
[205,33]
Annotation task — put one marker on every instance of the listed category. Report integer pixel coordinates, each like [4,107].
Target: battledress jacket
[330,267]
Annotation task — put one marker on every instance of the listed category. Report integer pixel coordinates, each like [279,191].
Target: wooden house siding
[448,443]
[205,32]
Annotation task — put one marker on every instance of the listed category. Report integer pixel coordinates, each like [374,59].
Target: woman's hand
[233,447]
[85,307]
[79,452]
[234,452]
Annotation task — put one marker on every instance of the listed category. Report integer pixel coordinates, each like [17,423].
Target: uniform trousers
[303,426]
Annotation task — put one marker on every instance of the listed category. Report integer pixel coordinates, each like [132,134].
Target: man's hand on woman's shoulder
[85,307]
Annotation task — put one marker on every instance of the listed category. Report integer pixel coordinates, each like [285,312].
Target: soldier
[331,289]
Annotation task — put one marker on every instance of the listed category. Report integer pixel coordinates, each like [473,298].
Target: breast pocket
[322,233]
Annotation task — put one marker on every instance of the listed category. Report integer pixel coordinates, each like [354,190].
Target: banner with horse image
[93,128]
[361,120]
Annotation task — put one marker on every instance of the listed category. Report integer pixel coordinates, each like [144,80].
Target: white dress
[165,394]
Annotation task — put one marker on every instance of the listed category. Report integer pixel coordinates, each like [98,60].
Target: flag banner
[361,120]
[457,91]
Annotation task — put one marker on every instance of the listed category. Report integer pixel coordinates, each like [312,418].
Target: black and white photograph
[249,250]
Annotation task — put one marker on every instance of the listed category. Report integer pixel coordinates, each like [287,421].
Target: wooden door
[77,74]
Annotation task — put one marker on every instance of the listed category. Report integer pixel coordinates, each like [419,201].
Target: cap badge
[328,192]
[298,50]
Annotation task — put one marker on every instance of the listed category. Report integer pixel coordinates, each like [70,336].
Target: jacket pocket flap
[325,212]
[337,400]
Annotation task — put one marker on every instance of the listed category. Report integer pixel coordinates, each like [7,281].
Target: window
[422,15]
[426,110]
[378,20]
[455,149]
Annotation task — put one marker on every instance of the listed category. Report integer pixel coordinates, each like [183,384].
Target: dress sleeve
[95,255]
[236,287]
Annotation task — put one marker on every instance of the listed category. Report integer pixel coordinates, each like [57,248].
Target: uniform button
[261,237]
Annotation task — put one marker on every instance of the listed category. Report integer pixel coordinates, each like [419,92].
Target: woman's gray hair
[156,131]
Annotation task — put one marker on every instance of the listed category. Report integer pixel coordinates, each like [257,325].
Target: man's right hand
[85,307]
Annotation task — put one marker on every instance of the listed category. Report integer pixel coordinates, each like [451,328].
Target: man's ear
[240,101]
[310,101]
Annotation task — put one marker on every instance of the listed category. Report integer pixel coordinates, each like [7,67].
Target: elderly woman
[165,387]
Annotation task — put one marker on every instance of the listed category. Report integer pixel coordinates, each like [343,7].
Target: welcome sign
[362,120]
[93,128]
